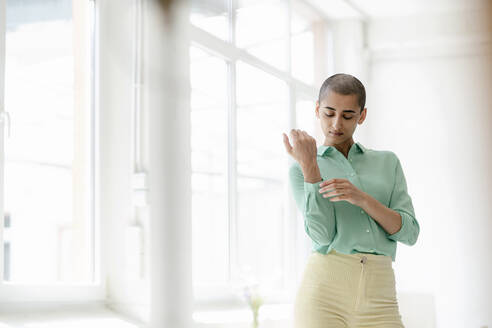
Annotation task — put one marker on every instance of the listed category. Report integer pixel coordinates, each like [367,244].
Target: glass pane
[48,174]
[262,29]
[209,166]
[261,119]
[306,116]
[262,116]
[211,16]
[302,43]
[260,231]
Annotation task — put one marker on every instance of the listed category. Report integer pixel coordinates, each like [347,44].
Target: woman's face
[339,114]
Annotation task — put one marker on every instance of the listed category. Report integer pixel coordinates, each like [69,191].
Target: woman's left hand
[342,189]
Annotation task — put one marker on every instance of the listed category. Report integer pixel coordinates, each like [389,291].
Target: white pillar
[166,102]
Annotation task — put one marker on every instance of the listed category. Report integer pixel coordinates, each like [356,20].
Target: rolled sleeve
[318,212]
[310,187]
[401,202]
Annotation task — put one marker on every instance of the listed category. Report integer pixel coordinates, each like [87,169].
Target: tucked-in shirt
[346,227]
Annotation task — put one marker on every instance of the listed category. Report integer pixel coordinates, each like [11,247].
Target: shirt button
[367,230]
[361,211]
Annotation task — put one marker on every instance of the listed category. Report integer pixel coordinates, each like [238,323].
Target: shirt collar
[326,149]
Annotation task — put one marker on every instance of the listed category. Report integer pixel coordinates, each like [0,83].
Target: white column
[166,102]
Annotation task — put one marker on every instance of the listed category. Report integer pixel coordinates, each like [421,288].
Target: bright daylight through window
[252,77]
[48,163]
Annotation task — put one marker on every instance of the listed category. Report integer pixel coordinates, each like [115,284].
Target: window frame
[231,54]
[17,295]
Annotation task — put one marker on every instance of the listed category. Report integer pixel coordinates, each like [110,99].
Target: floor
[93,317]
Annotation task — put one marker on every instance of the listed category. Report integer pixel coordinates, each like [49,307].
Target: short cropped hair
[344,84]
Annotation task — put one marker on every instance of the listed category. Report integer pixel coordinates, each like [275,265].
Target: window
[48,163]
[262,116]
[209,166]
[262,30]
[305,114]
[211,16]
[302,43]
[250,82]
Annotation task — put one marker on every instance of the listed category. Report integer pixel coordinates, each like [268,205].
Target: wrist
[311,172]
[366,199]
[308,165]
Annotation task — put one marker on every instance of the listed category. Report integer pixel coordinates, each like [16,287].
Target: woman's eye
[347,118]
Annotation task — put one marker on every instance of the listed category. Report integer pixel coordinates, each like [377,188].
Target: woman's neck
[343,147]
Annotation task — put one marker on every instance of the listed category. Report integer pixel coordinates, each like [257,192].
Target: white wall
[430,101]
[350,56]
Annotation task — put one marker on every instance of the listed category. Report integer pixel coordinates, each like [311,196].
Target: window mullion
[232,21]
[232,169]
[2,134]
[288,34]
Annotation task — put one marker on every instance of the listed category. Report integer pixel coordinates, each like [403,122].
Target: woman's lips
[336,134]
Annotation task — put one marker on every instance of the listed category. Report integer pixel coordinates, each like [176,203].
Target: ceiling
[337,9]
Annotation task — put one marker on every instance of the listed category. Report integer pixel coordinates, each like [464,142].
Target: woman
[356,207]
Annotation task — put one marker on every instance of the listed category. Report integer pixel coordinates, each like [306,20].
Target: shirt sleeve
[318,212]
[401,202]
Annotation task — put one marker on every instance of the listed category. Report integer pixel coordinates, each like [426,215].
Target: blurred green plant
[254,300]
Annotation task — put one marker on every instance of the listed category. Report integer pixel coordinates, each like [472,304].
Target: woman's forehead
[336,101]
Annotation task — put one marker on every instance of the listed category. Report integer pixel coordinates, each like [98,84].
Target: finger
[334,180]
[295,135]
[336,185]
[333,193]
[306,134]
[338,182]
[341,197]
[287,145]
[327,182]
[332,188]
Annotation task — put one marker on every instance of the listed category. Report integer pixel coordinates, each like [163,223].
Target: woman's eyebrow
[347,110]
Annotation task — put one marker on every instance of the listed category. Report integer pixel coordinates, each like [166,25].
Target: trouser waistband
[356,258]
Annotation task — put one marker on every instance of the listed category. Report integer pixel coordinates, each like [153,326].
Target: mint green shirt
[346,227]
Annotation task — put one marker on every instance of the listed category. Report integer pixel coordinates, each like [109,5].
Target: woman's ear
[363,115]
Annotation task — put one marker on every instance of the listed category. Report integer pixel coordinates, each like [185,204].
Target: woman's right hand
[303,148]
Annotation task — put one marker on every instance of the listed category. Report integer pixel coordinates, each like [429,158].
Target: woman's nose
[337,123]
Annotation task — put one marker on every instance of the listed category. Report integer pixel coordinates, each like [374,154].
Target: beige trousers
[347,290]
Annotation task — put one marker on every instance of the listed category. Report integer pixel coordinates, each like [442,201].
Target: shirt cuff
[312,186]
[404,224]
